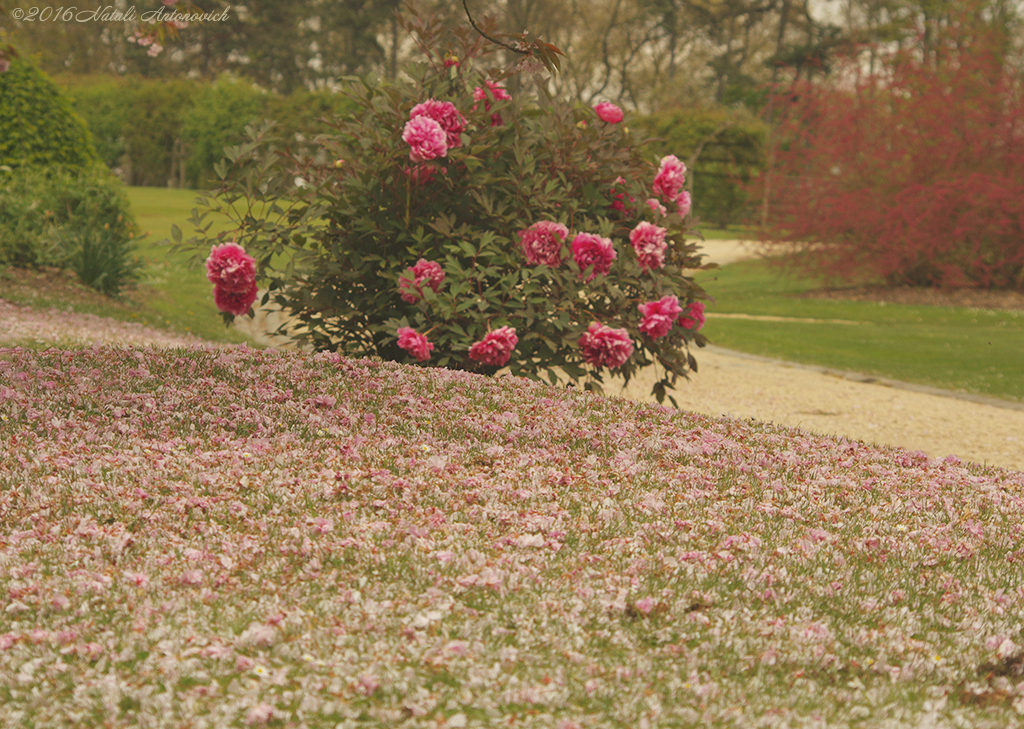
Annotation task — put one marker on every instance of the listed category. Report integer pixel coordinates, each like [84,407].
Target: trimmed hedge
[171,132]
[38,126]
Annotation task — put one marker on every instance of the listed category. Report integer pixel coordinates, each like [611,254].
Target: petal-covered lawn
[200,537]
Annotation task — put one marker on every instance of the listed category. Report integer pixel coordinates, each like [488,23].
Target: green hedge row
[171,132]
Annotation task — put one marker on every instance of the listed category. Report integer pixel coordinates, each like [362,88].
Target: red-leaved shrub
[914,175]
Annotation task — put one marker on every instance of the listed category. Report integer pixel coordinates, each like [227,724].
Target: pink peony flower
[657,207]
[683,203]
[424,272]
[231,268]
[659,316]
[670,178]
[542,242]
[414,343]
[618,198]
[420,174]
[496,348]
[693,317]
[649,243]
[608,112]
[426,139]
[495,90]
[589,249]
[237,303]
[603,346]
[445,114]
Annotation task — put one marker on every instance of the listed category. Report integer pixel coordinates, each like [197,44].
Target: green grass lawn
[973,350]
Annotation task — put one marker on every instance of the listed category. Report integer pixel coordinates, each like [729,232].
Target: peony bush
[454,223]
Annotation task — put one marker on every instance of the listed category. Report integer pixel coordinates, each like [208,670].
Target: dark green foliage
[68,218]
[724,151]
[37,124]
[171,132]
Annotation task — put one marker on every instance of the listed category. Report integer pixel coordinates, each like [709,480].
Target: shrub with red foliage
[914,175]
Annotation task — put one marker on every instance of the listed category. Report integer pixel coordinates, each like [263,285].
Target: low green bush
[68,218]
[38,125]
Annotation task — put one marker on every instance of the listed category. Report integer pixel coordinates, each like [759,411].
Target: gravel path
[730,384]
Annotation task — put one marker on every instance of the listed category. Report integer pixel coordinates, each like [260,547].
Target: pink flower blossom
[420,174]
[693,317]
[495,348]
[683,203]
[445,114]
[608,112]
[645,605]
[424,272]
[589,249]
[670,178]
[237,303]
[450,59]
[231,268]
[618,198]
[495,90]
[649,243]
[657,207]
[659,316]
[414,343]
[603,346]
[426,139]
[542,242]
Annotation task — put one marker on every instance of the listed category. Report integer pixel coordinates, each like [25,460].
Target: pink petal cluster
[659,316]
[670,178]
[693,317]
[426,138]
[423,272]
[542,242]
[603,346]
[495,90]
[414,343]
[683,203]
[495,348]
[445,114]
[649,243]
[232,271]
[608,112]
[589,249]
[656,207]
[618,198]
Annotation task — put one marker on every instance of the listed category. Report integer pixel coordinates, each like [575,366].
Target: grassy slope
[321,543]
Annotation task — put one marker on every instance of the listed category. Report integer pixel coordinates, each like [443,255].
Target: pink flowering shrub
[496,348]
[505,254]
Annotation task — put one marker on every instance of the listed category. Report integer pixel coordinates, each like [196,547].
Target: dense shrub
[76,218]
[446,223]
[724,150]
[159,132]
[37,124]
[914,175]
